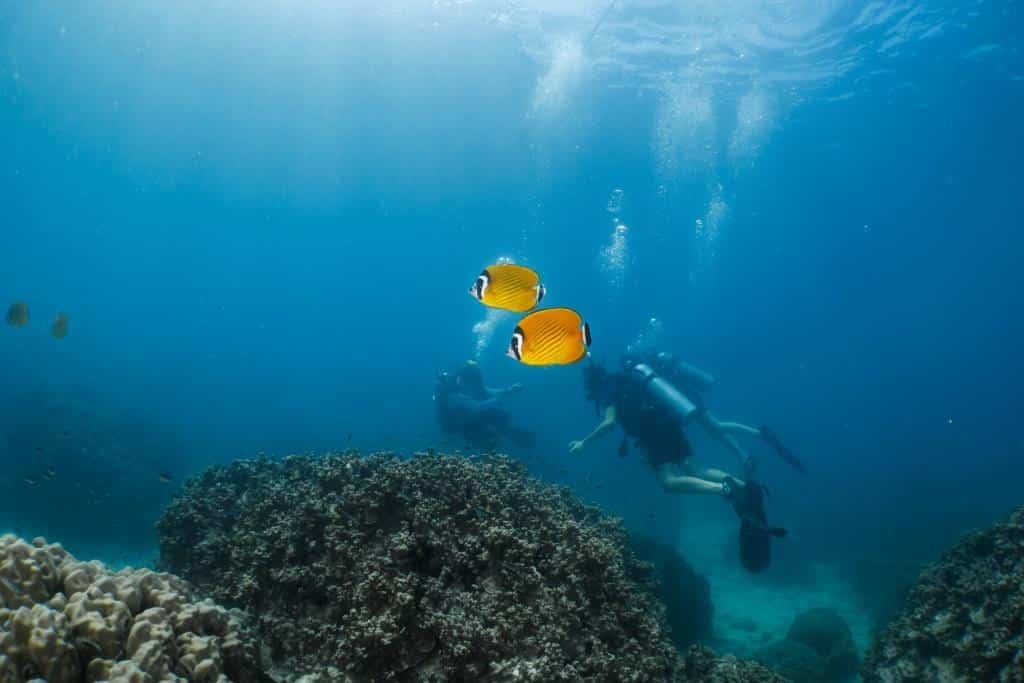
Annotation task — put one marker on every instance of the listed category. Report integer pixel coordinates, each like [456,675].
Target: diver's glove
[645,372]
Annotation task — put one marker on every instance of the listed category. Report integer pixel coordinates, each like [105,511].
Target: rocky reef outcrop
[964,620]
[65,621]
[702,665]
[430,569]
[819,648]
[685,593]
[826,632]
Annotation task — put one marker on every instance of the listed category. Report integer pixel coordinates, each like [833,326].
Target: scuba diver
[693,383]
[467,407]
[653,398]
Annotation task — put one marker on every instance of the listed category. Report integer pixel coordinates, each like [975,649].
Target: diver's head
[631,359]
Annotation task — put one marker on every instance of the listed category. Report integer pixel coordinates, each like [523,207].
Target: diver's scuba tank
[663,393]
[685,373]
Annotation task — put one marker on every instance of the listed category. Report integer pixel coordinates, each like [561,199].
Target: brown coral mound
[66,621]
[435,568]
[964,620]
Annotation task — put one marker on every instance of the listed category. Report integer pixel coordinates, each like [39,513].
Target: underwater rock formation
[819,648]
[794,661]
[964,620]
[685,593]
[435,568]
[65,621]
[827,633]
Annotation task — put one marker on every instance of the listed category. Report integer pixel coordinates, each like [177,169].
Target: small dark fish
[563,471]
[59,328]
[39,449]
[17,314]
[50,474]
[165,477]
[348,438]
[650,515]
[65,433]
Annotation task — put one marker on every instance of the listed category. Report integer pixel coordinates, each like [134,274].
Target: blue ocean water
[262,222]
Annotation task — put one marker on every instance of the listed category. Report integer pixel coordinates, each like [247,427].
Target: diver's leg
[709,473]
[737,428]
[722,433]
[674,483]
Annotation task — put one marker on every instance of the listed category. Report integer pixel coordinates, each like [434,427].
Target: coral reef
[964,620]
[685,593]
[435,568]
[702,665]
[66,621]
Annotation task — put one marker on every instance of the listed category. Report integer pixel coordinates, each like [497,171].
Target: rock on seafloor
[65,621]
[435,568]
[685,593]
[964,620]
[819,648]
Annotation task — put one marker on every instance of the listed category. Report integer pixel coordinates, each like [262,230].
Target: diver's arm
[606,424]
[503,391]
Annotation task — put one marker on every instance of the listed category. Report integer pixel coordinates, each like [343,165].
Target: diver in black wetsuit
[653,407]
[693,383]
[623,398]
[467,407]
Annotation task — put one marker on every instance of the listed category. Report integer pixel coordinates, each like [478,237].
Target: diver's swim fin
[773,440]
[755,534]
